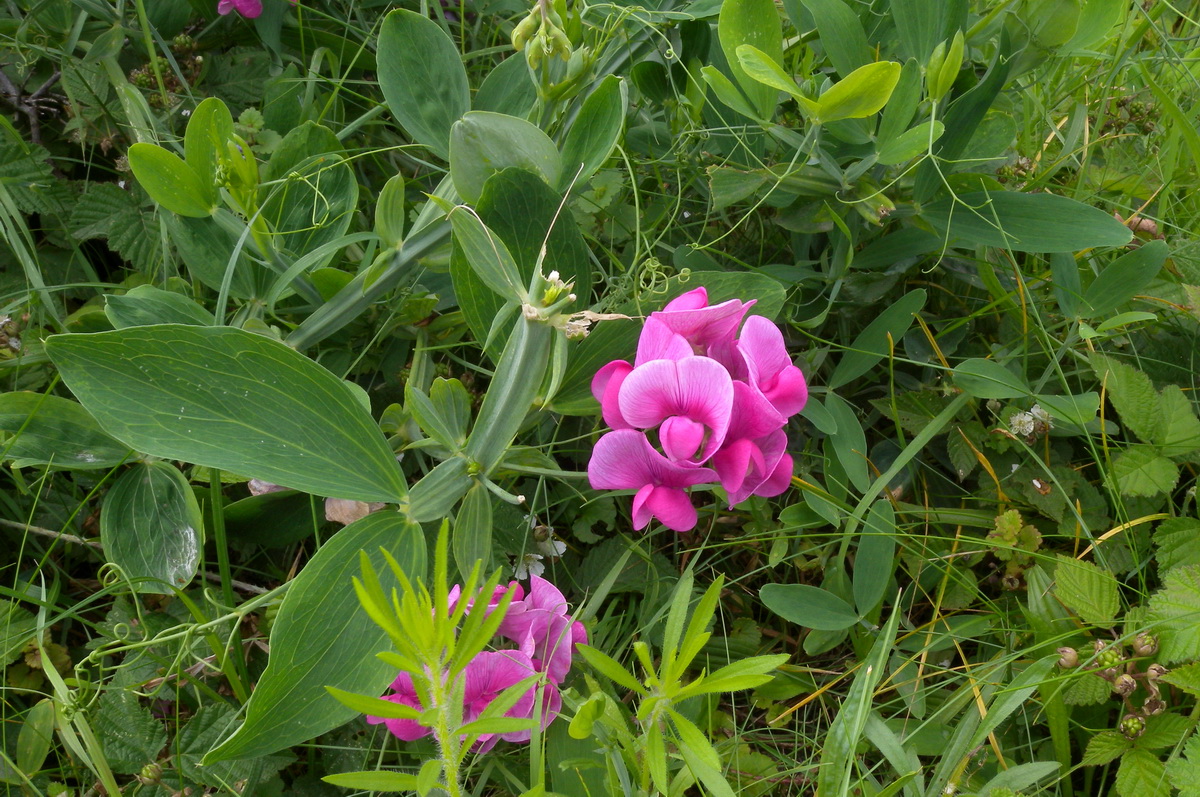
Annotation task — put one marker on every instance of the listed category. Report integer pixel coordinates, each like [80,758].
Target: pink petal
[551,706]
[659,342]
[779,480]
[680,437]
[696,388]
[672,507]
[692,300]
[733,462]
[761,345]
[625,460]
[546,596]
[752,416]
[405,694]
[703,326]
[761,459]
[489,674]
[224,7]
[249,8]
[606,386]
[789,392]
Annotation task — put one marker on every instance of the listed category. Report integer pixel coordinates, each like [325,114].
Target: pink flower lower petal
[672,507]
[779,480]
[625,460]
[789,391]
[681,438]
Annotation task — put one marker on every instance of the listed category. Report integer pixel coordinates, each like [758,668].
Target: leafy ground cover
[353,350]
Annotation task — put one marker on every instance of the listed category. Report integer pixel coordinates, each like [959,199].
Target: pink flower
[770,368]
[489,674]
[515,606]
[704,327]
[247,8]
[403,693]
[625,460]
[544,631]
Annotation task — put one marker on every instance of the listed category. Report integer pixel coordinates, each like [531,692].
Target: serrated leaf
[25,171]
[1186,678]
[1163,731]
[204,728]
[1142,774]
[1142,471]
[1175,612]
[130,736]
[1087,590]
[106,211]
[1132,393]
[1177,543]
[1179,429]
[1184,771]
[1105,747]
[1087,690]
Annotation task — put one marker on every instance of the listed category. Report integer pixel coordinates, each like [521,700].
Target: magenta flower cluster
[716,400]
[545,638]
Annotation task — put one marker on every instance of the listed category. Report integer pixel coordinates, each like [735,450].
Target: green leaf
[439,490]
[508,88]
[877,339]
[837,755]
[422,78]
[1142,774]
[850,443]
[48,430]
[727,92]
[1178,431]
[911,143]
[756,23]
[390,213]
[860,94]
[321,638]
[1020,776]
[375,706]
[146,305]
[523,212]
[510,396]
[1177,543]
[207,725]
[483,143]
[595,132]
[1184,771]
[207,246]
[206,141]
[1164,731]
[37,735]
[1087,590]
[988,379]
[130,737]
[1022,222]
[1186,678]
[610,669]
[473,529]
[873,562]
[17,628]
[1142,471]
[759,66]
[1065,274]
[1131,393]
[374,781]
[1078,409]
[1105,747]
[1175,614]
[841,34]
[1123,278]
[119,216]
[170,182]
[808,606]
[151,527]
[229,399]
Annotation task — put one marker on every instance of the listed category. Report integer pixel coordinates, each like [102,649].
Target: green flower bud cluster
[942,67]
[1123,673]
[540,35]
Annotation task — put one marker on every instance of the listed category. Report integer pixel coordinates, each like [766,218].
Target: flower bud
[1145,644]
[1132,726]
[1153,706]
[1068,658]
[1124,684]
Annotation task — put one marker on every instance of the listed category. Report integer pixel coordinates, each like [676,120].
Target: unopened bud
[1145,644]
[1124,684]
[1068,658]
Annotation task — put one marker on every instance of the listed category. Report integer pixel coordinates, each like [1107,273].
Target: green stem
[150,53]
[448,741]
[237,675]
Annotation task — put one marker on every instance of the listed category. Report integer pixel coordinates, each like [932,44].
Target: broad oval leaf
[170,182]
[48,430]
[861,93]
[151,527]
[595,132]
[322,637]
[1123,278]
[808,606]
[911,143]
[422,78]
[209,131]
[147,305]
[1024,222]
[873,563]
[753,22]
[988,379]
[483,143]
[229,399]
